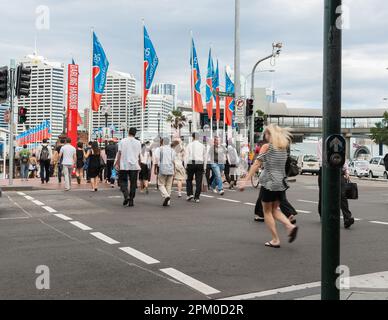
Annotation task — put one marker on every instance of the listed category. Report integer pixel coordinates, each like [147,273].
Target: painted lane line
[379,222]
[49,209]
[139,255]
[303,211]
[104,238]
[63,217]
[191,282]
[308,201]
[206,196]
[274,291]
[355,219]
[29,198]
[21,194]
[114,197]
[38,203]
[229,200]
[15,218]
[250,204]
[81,225]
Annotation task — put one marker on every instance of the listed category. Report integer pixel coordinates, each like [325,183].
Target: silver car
[359,168]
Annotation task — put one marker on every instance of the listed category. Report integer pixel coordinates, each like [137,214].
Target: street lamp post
[276,48]
[159,124]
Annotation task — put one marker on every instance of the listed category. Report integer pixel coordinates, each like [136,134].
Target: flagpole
[211,98]
[90,87]
[194,117]
[143,100]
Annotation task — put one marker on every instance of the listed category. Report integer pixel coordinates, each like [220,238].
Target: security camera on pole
[276,48]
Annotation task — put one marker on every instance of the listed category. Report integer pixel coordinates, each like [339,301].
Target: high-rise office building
[3,108]
[155,115]
[166,89]
[85,118]
[118,90]
[47,95]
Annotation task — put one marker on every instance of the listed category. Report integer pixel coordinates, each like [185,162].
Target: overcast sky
[296,23]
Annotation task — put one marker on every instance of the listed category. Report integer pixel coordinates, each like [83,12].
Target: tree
[177,120]
[380,132]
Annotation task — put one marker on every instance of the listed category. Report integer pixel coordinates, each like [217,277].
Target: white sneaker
[215,191]
[222,192]
[179,194]
[196,200]
[189,198]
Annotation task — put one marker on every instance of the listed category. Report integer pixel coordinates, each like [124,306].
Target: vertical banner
[72,103]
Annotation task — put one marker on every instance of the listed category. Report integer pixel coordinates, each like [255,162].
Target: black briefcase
[351,190]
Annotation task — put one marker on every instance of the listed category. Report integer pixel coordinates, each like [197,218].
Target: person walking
[24,158]
[233,161]
[195,160]
[217,160]
[273,157]
[58,160]
[33,167]
[145,167]
[68,155]
[94,167]
[45,157]
[164,160]
[111,151]
[80,162]
[128,159]
[180,172]
[88,147]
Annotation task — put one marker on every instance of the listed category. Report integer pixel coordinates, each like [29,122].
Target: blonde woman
[180,172]
[273,157]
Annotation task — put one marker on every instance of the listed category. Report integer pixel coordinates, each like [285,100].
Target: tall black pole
[106,126]
[331,178]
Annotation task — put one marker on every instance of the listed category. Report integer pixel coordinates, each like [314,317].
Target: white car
[377,168]
[359,168]
[308,163]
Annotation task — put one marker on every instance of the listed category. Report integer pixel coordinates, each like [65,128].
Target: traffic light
[259,124]
[23,79]
[249,108]
[22,115]
[3,84]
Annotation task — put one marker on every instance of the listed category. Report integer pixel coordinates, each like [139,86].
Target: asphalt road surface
[95,248]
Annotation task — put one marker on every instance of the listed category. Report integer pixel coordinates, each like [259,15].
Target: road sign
[224,94]
[240,110]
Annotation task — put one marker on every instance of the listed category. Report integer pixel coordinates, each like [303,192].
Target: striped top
[273,176]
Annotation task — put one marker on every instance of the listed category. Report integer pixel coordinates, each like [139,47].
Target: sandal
[293,234]
[269,244]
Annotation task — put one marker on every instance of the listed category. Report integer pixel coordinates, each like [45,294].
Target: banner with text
[36,134]
[72,103]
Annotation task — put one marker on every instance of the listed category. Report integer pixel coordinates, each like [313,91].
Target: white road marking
[191,282]
[15,218]
[206,196]
[229,200]
[115,197]
[104,238]
[29,198]
[308,201]
[303,211]
[250,204]
[379,222]
[49,209]
[62,216]
[81,225]
[21,193]
[274,291]
[139,255]
[38,203]
[355,219]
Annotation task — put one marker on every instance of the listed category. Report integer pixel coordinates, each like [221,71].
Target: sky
[298,24]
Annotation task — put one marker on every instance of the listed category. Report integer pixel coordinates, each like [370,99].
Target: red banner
[72,103]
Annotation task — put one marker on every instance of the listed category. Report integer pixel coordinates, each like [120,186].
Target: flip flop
[269,244]
[293,234]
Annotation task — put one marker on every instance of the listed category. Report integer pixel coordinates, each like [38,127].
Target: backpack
[166,169]
[24,157]
[292,169]
[386,162]
[44,154]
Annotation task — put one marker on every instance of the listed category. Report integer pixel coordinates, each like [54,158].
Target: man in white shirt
[164,159]
[195,161]
[128,162]
[69,158]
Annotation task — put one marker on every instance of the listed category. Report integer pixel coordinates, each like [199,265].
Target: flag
[150,64]
[229,101]
[72,61]
[195,80]
[79,119]
[209,86]
[216,89]
[99,71]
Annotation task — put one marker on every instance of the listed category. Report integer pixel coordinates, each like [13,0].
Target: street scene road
[95,248]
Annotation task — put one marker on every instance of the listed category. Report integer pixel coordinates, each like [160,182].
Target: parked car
[308,163]
[377,168]
[359,168]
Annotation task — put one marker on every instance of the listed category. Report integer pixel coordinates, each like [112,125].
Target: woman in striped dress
[273,157]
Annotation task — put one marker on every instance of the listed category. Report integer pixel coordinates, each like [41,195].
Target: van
[308,163]
[377,168]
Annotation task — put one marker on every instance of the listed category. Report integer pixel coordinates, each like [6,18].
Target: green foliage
[177,120]
[380,132]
